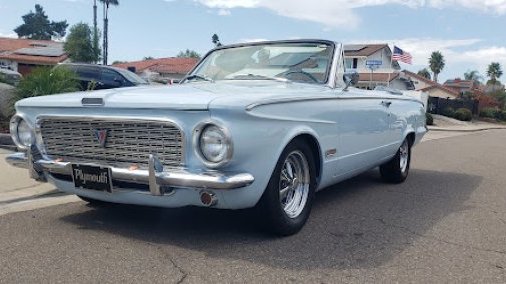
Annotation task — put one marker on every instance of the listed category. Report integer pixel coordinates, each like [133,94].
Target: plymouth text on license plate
[92,177]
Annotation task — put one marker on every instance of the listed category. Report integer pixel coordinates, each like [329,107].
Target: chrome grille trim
[129,141]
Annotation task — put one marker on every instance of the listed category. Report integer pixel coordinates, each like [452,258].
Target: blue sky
[470,33]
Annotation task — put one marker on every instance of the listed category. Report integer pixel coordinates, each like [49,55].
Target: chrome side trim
[322,98]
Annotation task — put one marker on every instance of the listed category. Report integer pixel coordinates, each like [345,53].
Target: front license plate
[92,177]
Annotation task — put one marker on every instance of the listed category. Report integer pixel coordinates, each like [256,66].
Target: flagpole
[391,61]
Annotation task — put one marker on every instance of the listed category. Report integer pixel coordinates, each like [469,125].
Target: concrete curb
[466,130]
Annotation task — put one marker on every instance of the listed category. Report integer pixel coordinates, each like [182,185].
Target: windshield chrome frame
[330,79]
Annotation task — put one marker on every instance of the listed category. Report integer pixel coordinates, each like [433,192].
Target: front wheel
[397,169]
[286,202]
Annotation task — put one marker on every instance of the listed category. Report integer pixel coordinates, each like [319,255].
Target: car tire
[286,203]
[397,169]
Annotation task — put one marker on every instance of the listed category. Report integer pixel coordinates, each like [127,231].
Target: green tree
[45,81]
[436,63]
[106,4]
[79,44]
[37,26]
[216,40]
[473,76]
[424,73]
[188,54]
[494,72]
[148,58]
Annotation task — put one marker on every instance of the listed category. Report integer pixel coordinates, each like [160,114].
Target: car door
[363,130]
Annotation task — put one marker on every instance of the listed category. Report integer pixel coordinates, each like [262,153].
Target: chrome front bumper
[155,176]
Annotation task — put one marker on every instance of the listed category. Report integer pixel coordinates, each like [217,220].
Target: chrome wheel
[294,184]
[404,156]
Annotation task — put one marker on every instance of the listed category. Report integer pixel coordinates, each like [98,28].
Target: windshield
[301,62]
[132,77]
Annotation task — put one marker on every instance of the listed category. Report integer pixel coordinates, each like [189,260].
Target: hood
[194,96]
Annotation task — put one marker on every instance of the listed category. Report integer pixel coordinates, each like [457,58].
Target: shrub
[501,115]
[463,114]
[46,81]
[449,112]
[429,119]
[489,112]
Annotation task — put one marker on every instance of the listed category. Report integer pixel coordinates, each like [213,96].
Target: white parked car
[261,125]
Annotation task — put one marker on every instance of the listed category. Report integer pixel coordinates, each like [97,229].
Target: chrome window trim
[197,132]
[41,118]
[329,81]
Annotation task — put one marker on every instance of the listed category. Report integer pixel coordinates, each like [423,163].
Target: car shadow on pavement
[359,223]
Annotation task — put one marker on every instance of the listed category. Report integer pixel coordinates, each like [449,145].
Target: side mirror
[350,79]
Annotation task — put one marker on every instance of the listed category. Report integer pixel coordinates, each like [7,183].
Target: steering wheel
[303,73]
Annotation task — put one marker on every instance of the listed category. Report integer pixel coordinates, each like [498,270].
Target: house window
[351,63]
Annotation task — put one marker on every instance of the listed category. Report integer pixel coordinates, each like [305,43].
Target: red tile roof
[9,46]
[363,50]
[172,65]
[431,83]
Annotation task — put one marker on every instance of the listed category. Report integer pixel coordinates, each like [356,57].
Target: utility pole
[95,28]
[106,22]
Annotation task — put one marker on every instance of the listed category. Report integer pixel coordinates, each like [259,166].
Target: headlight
[214,145]
[21,132]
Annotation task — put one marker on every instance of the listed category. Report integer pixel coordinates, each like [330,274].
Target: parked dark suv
[99,77]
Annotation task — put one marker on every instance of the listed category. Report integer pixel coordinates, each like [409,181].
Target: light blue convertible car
[262,125]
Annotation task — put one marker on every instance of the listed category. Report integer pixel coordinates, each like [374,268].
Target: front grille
[128,142]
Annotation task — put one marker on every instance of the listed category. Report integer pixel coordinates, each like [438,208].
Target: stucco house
[430,87]
[385,74]
[22,55]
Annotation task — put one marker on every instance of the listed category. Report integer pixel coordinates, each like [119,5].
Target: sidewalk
[442,123]
[15,184]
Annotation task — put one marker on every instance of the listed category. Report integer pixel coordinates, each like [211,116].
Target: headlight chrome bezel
[14,124]
[197,135]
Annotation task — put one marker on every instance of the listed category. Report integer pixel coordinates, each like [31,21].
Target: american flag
[401,55]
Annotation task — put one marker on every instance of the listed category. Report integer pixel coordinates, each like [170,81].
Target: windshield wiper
[197,76]
[262,77]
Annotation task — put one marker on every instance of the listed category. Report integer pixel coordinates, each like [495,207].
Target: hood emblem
[101,135]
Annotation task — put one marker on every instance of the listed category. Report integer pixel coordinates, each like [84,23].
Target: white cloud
[223,12]
[460,54]
[9,34]
[339,13]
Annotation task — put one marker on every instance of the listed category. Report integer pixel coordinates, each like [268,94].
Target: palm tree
[473,76]
[494,71]
[424,73]
[436,63]
[106,4]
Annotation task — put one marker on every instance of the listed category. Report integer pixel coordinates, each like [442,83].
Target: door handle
[386,103]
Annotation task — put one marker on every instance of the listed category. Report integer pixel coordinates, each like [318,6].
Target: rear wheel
[286,202]
[397,169]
